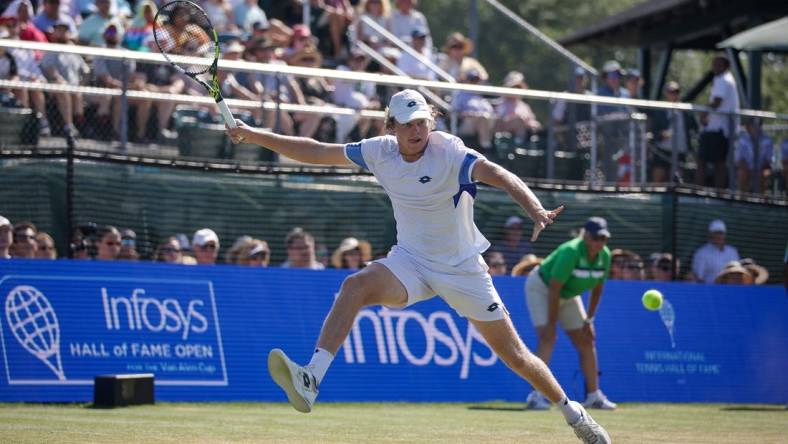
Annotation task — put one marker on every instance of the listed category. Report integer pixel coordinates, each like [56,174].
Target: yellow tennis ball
[652,299]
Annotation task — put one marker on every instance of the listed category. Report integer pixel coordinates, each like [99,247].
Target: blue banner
[205,333]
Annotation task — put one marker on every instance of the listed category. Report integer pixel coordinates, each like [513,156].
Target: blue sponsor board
[205,333]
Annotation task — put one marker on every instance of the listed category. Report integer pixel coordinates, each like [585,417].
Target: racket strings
[182,29]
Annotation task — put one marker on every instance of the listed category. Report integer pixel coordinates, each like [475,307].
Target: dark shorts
[713,147]
[661,158]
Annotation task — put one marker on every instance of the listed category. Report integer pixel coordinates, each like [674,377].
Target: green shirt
[569,265]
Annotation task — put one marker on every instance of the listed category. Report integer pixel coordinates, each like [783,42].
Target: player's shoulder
[570,247]
[444,141]
[379,146]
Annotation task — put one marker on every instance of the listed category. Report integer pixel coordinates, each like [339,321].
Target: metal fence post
[674,144]
[643,153]
[551,142]
[632,151]
[124,106]
[729,160]
[592,178]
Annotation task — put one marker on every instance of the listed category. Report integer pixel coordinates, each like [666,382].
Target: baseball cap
[259,248]
[408,105]
[717,226]
[597,226]
[60,22]
[4,221]
[419,33]
[233,46]
[205,235]
[513,220]
[672,86]
[612,66]
[513,79]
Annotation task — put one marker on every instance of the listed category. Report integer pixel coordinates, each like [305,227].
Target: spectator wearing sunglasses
[169,251]
[205,244]
[552,293]
[6,238]
[108,243]
[255,253]
[46,246]
[634,269]
[496,263]
[659,267]
[128,245]
[24,245]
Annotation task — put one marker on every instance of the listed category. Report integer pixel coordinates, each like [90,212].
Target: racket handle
[228,116]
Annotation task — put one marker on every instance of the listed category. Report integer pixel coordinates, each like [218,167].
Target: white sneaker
[599,401]
[587,429]
[297,382]
[535,401]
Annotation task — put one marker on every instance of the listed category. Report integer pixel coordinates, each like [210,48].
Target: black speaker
[122,390]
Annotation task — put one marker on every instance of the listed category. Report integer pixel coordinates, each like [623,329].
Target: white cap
[408,105]
[202,237]
[513,220]
[611,66]
[4,222]
[717,226]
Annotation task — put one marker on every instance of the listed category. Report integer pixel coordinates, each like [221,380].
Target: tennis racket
[182,28]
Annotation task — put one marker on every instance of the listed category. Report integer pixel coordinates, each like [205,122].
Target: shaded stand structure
[659,27]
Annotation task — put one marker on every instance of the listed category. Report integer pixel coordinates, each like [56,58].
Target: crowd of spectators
[273,32]
[714,262]
[22,240]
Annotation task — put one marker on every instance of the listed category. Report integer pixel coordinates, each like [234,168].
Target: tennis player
[430,178]
[552,293]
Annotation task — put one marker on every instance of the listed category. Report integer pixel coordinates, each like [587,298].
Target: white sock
[319,364]
[570,411]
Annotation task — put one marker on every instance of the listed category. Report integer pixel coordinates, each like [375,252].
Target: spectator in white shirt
[718,128]
[710,259]
[409,64]
[91,31]
[405,18]
[301,250]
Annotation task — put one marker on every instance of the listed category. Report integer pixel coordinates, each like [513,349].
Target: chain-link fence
[157,200]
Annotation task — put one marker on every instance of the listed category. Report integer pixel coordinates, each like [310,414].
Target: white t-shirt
[432,199]
[414,68]
[708,261]
[724,87]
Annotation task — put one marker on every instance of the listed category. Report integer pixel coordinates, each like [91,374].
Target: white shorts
[471,295]
[571,313]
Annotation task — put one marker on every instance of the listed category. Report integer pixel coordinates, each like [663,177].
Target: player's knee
[355,288]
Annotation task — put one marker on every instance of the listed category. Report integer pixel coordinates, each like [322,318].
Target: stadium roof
[772,36]
[684,24]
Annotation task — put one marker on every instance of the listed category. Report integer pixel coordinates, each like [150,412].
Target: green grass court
[184,423]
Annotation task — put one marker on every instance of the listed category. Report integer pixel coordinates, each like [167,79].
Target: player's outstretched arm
[302,149]
[497,176]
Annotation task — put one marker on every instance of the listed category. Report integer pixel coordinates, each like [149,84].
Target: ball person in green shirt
[552,293]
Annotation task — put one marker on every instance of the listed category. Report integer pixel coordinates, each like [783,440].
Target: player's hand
[542,219]
[589,331]
[240,133]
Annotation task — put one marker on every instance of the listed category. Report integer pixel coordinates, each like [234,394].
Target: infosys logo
[140,312]
[437,340]
[66,329]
